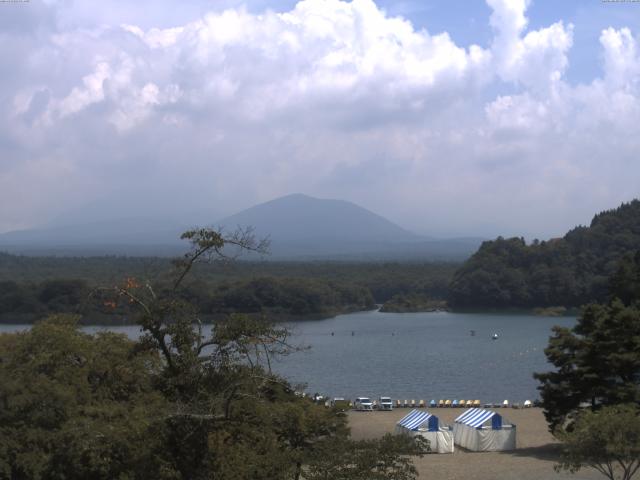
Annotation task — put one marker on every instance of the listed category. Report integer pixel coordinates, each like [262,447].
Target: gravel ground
[533,459]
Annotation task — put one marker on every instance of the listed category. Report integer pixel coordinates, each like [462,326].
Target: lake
[415,355]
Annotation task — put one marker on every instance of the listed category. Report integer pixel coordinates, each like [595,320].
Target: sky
[450,118]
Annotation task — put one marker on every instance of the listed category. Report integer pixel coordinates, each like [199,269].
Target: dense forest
[383,279]
[31,287]
[276,297]
[413,302]
[178,403]
[569,271]
[504,273]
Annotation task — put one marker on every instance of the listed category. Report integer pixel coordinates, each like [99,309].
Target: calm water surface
[415,355]
[423,355]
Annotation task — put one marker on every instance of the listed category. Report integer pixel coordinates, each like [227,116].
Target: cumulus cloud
[535,60]
[332,98]
[621,58]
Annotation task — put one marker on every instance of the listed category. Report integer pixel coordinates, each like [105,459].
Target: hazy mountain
[129,236]
[299,217]
[300,227]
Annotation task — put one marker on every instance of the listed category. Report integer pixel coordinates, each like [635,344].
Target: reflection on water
[415,355]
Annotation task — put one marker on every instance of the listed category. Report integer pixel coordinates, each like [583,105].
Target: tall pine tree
[598,360]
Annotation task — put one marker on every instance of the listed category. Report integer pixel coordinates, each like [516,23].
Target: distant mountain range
[128,236]
[300,227]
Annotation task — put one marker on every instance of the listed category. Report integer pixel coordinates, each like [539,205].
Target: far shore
[536,453]
[100,320]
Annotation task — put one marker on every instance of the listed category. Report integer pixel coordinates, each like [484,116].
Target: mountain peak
[303,199]
[298,217]
[299,226]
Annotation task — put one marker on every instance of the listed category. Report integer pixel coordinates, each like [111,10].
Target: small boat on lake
[494,336]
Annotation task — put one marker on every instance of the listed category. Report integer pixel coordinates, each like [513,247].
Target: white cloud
[332,98]
[322,50]
[621,59]
[92,91]
[536,60]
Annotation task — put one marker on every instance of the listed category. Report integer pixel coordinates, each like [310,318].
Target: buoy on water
[494,336]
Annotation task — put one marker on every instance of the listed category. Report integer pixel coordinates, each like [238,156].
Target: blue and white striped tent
[482,430]
[424,424]
[417,419]
[476,418]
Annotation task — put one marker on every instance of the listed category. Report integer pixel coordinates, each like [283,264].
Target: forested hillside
[568,271]
[279,298]
[383,279]
[32,287]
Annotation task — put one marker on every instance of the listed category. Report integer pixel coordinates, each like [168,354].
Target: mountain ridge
[299,226]
[285,217]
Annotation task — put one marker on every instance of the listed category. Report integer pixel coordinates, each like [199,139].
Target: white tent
[422,423]
[481,430]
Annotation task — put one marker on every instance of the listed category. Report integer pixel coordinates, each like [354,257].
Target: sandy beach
[533,459]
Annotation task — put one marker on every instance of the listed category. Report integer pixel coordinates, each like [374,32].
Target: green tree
[591,400]
[377,459]
[302,426]
[597,362]
[568,271]
[625,282]
[231,417]
[76,406]
[607,440]
[183,402]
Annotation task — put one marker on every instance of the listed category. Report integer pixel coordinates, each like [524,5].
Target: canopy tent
[482,430]
[426,425]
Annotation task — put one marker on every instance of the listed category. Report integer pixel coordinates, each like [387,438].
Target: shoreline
[280,317]
[209,319]
[533,459]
